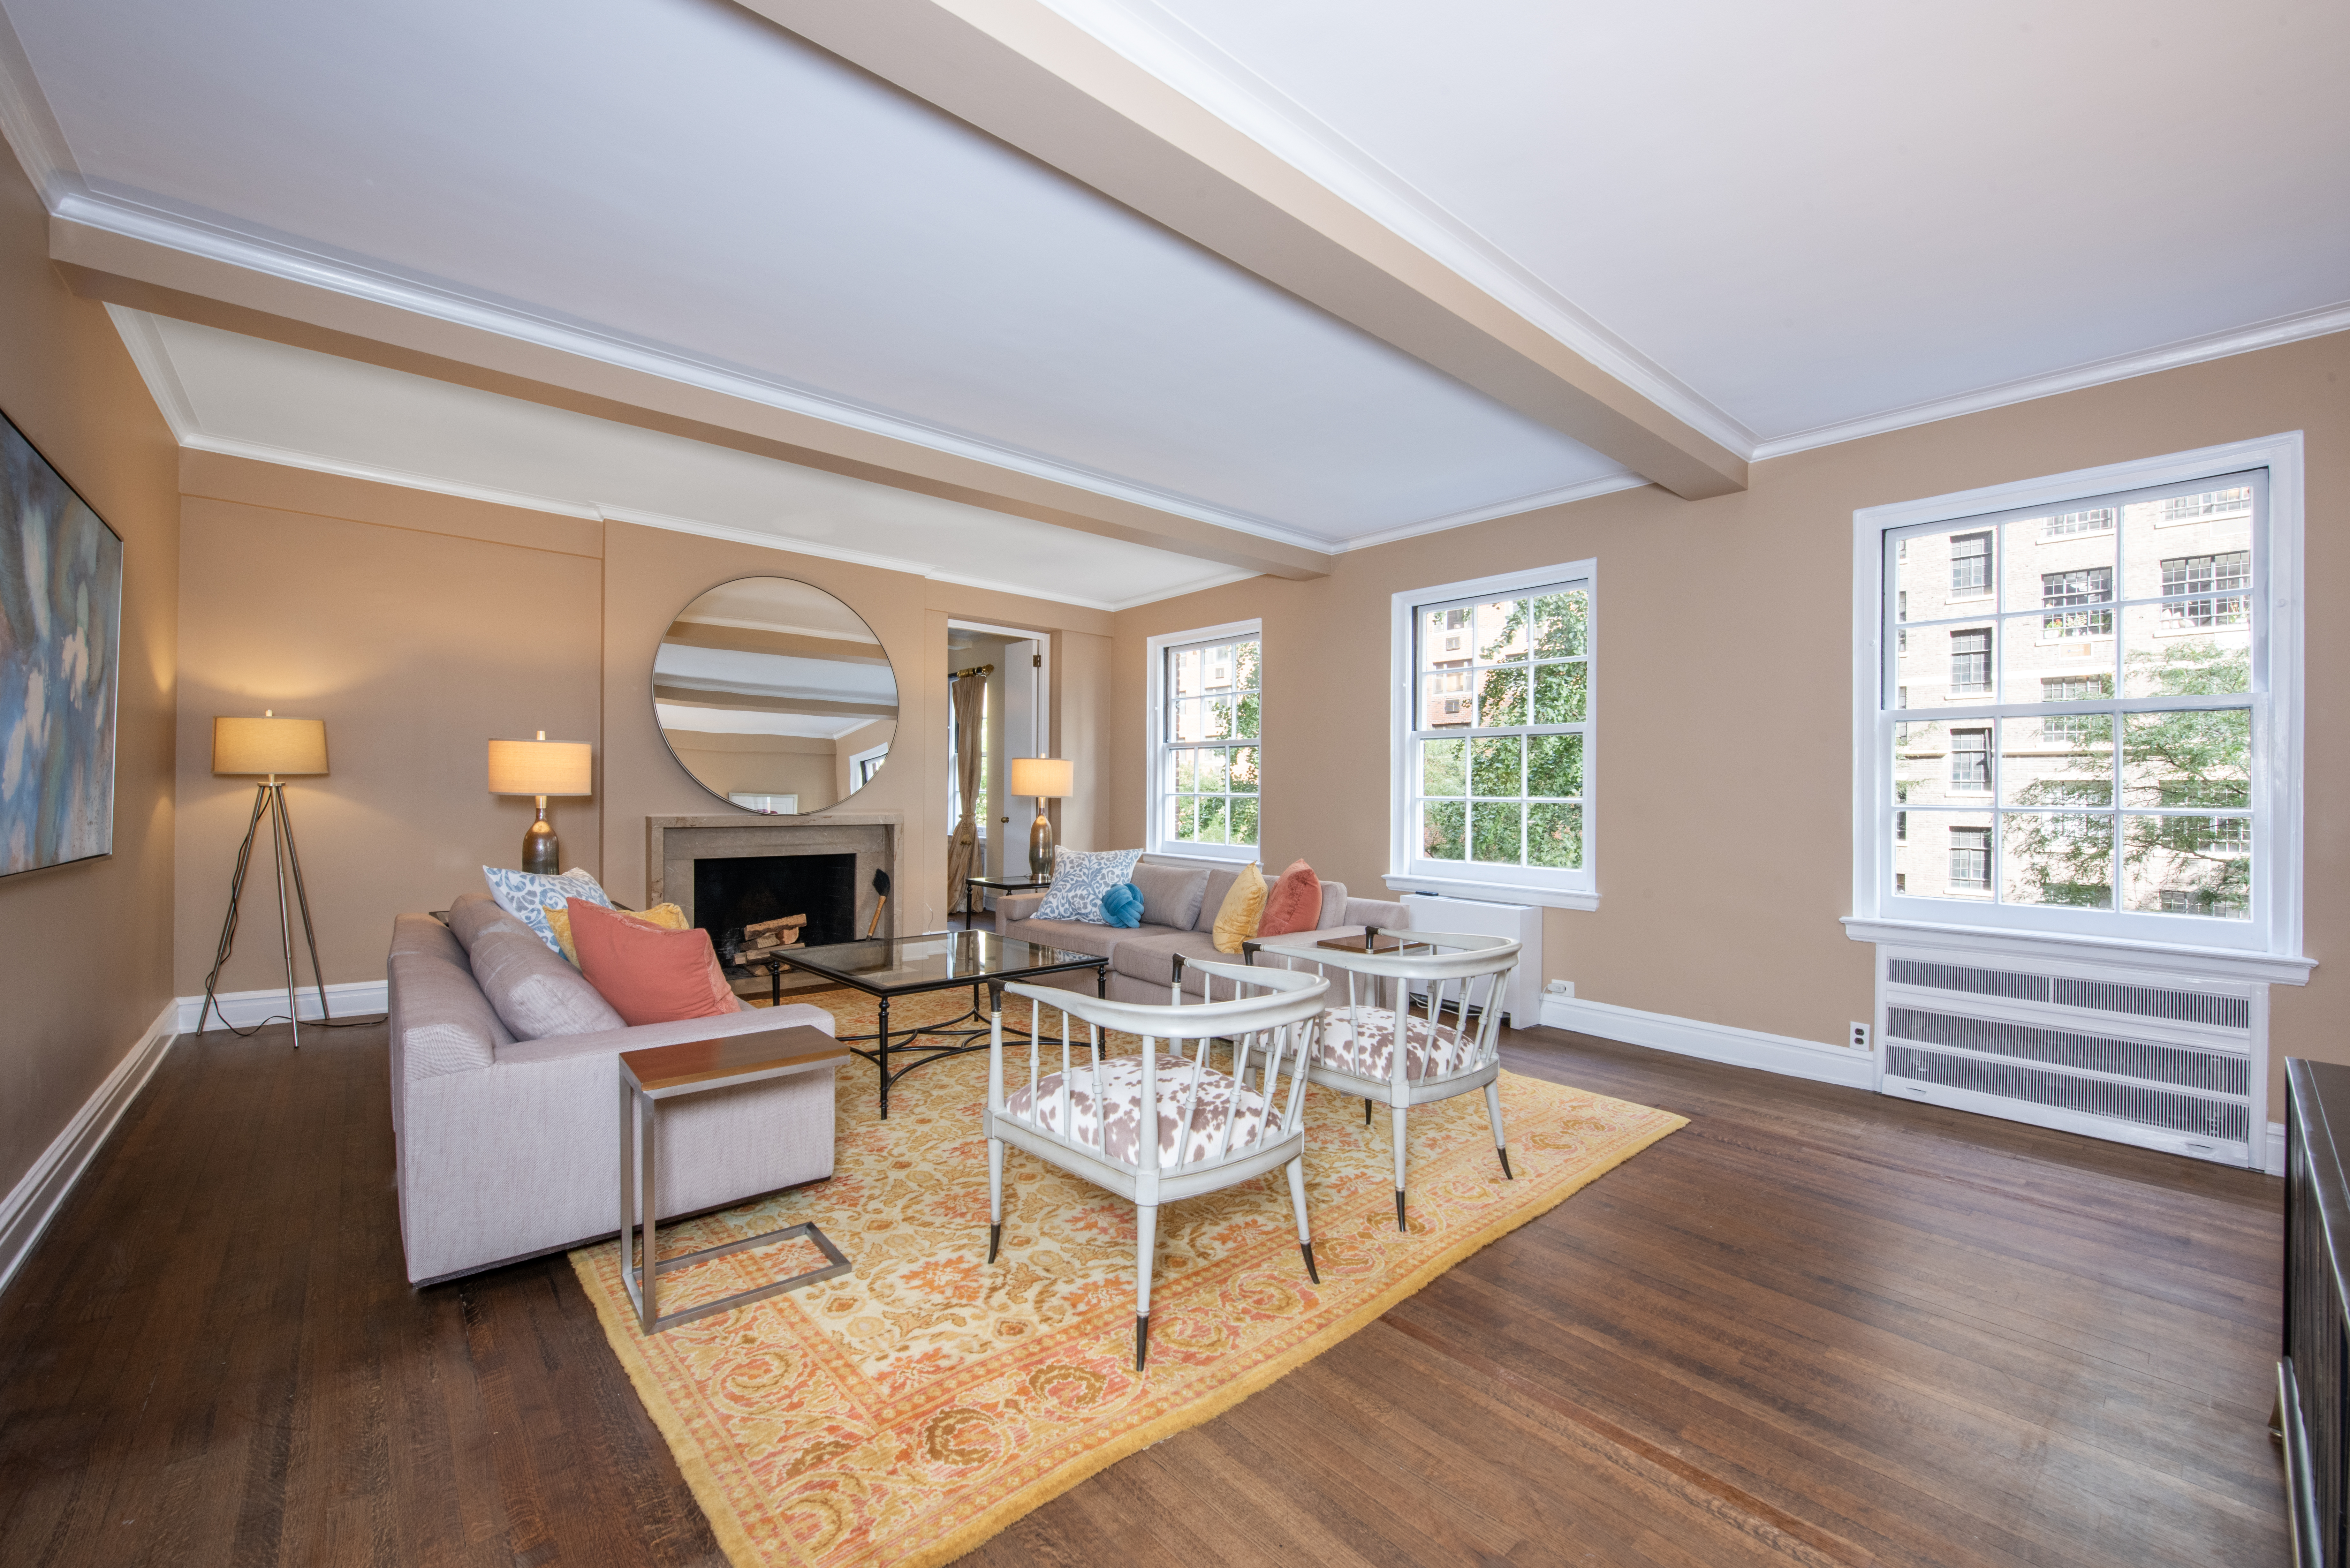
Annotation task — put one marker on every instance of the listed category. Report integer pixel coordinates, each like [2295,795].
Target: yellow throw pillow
[1242,907]
[668,917]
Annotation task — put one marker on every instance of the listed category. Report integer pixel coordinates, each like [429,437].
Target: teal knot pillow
[1122,905]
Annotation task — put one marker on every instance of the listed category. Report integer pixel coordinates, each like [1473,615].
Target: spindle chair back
[1374,1046]
[1161,1123]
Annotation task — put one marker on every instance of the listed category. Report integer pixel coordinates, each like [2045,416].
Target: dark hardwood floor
[1815,1327]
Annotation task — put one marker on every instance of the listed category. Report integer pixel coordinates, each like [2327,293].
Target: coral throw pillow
[1236,921]
[1295,904]
[649,975]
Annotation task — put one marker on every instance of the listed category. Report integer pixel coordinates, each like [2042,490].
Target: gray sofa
[1180,900]
[508,1137]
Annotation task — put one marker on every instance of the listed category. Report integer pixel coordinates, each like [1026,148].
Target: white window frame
[2268,946]
[1155,733]
[1544,885]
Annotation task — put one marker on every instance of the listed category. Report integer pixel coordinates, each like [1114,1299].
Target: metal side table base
[649,1076]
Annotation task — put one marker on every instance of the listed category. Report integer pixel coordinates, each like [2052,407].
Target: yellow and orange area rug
[904,1413]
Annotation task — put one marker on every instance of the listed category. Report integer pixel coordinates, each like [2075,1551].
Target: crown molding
[1609,484]
[154,360]
[2270,334]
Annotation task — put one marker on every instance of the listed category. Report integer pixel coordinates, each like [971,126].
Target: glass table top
[934,958]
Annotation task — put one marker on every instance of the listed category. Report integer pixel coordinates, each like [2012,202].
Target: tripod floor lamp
[274,749]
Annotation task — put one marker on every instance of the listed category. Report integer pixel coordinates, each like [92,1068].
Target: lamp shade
[541,767]
[1053,776]
[272,745]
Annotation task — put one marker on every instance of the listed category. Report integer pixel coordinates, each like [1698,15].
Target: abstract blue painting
[60,644]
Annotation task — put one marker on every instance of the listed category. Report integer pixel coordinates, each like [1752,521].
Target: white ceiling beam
[1021,72]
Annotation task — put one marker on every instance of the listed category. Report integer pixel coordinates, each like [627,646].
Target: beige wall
[1725,810]
[88,946]
[1085,720]
[416,648]
[418,626]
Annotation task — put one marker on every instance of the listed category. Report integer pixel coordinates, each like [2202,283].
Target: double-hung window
[1494,753]
[1207,704]
[2080,705]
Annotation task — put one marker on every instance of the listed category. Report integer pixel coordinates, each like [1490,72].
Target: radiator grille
[1961,977]
[2146,1106]
[2146,1001]
[2101,996]
[2217,1070]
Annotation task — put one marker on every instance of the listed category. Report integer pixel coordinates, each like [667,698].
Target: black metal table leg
[1101,981]
[882,1044]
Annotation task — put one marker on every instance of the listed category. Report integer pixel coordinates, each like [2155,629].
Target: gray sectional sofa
[1180,900]
[505,1100]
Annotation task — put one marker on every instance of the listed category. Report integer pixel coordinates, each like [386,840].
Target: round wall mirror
[775,695]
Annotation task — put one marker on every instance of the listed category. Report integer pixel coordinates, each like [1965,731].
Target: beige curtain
[962,845]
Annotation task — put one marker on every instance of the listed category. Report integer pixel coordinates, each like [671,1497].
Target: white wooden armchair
[1354,1050]
[1080,1109]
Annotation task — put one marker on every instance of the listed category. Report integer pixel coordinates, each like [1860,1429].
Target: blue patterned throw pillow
[1122,905]
[1080,877]
[525,896]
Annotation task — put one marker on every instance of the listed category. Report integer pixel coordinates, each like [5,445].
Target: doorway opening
[1013,666]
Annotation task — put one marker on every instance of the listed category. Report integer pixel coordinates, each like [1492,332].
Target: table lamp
[273,749]
[541,768]
[1046,778]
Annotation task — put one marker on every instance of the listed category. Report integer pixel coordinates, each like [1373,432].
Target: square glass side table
[973,885]
[667,1072]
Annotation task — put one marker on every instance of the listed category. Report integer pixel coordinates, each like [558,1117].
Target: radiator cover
[2163,1060]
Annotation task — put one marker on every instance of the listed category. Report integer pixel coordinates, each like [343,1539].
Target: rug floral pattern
[905,1412]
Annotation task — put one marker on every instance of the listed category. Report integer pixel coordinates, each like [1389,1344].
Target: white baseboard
[2273,1157]
[349,999]
[1713,1042]
[26,1212]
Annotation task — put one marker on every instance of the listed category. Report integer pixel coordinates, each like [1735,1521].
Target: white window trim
[1504,884]
[2271,949]
[1155,747]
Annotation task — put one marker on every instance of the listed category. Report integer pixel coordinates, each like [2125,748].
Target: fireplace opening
[760,890]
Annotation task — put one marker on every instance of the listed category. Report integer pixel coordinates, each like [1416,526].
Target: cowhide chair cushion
[1428,1053]
[1121,1086]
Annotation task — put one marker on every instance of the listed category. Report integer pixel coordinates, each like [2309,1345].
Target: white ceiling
[686,174]
[250,397]
[1816,214]
[1791,223]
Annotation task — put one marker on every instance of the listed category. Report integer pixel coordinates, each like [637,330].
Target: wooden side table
[667,1072]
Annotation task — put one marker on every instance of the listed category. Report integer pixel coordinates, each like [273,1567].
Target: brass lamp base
[542,852]
[1040,844]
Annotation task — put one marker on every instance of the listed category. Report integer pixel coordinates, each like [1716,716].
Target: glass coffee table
[886,967]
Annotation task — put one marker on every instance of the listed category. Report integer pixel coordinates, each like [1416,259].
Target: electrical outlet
[1560,988]
[1860,1033]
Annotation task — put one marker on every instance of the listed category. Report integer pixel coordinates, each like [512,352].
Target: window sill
[2230,963]
[1210,854]
[1492,892]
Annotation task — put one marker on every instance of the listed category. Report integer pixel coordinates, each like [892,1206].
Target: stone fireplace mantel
[672,843]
